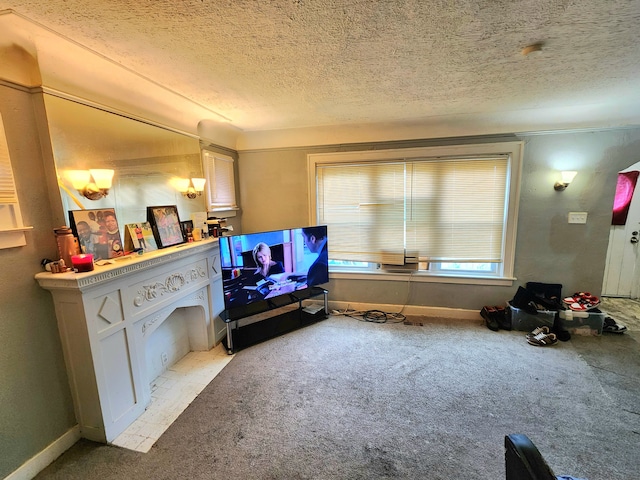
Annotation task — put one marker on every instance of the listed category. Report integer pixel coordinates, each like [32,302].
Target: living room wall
[274,194]
[37,408]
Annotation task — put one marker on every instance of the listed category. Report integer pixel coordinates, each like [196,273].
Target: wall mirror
[147,159]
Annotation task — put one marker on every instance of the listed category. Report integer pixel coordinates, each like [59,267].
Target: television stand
[267,319]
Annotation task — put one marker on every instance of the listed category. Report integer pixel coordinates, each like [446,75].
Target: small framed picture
[139,236]
[186,226]
[98,232]
[165,224]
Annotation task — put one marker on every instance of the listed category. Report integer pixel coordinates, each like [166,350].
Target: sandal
[543,340]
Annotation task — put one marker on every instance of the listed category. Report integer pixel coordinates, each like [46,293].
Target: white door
[622,271]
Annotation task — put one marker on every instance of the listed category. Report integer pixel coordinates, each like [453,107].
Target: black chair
[524,462]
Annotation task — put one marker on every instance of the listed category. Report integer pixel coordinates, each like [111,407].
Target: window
[11,226]
[448,211]
[220,186]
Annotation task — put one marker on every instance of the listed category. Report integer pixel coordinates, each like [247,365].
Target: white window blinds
[8,193]
[220,187]
[442,210]
[11,226]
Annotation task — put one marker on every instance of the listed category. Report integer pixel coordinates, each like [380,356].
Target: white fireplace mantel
[106,316]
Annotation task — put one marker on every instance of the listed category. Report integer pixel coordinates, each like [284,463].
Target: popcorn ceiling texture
[297,63]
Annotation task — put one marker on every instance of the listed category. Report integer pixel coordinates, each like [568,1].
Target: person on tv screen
[262,257]
[315,238]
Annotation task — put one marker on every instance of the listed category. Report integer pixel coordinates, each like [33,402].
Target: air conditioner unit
[406,268]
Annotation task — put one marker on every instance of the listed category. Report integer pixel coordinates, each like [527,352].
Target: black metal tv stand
[270,318]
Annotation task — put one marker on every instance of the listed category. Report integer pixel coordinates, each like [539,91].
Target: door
[622,271]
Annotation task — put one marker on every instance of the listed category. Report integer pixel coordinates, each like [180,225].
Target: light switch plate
[577,217]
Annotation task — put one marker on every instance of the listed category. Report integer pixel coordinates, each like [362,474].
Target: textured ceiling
[265,65]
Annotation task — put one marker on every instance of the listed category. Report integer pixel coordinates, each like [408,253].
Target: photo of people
[98,232]
[139,236]
[166,224]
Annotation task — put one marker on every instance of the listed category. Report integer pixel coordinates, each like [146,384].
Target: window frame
[12,228]
[225,200]
[514,151]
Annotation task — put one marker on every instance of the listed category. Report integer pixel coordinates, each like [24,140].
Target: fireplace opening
[183,331]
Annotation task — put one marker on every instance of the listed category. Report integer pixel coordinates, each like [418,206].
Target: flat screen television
[261,266]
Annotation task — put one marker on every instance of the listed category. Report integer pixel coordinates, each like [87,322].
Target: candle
[82,262]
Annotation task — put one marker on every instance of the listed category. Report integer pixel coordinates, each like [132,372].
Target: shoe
[537,331]
[611,326]
[489,315]
[504,322]
[543,340]
[581,301]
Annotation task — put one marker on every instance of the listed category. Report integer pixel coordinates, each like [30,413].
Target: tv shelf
[260,321]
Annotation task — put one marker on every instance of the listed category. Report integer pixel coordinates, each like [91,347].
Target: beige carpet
[345,399]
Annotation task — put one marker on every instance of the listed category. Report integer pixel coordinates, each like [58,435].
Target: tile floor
[171,394]
[623,310]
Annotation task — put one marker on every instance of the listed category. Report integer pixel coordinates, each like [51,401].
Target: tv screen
[264,265]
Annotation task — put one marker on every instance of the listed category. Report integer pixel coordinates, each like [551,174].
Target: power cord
[372,316]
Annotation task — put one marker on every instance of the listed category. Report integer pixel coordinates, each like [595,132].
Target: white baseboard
[43,459]
[440,312]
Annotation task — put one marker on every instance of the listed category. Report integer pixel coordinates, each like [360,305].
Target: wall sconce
[567,177]
[190,187]
[92,184]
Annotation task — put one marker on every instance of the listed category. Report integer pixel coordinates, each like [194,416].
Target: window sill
[423,278]
[13,237]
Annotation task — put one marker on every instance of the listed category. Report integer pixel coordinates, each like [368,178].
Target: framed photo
[98,232]
[186,226]
[139,236]
[165,224]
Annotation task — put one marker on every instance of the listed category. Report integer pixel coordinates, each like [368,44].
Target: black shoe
[489,315]
[504,322]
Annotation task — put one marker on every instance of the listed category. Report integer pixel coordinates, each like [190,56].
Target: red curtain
[624,193]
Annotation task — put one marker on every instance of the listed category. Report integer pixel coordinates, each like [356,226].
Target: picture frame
[98,232]
[139,236]
[165,223]
[186,226]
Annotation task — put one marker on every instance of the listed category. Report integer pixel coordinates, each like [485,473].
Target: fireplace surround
[106,318]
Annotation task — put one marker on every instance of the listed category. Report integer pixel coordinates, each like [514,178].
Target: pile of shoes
[495,317]
[581,302]
[538,296]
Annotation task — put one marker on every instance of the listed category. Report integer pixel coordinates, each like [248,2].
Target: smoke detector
[535,48]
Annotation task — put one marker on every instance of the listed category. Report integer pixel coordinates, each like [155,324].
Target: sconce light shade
[92,184]
[190,188]
[567,177]
[102,177]
[198,184]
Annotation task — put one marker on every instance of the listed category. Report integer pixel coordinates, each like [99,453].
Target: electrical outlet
[164,358]
[577,217]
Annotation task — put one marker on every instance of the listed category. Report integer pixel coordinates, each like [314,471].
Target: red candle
[82,262]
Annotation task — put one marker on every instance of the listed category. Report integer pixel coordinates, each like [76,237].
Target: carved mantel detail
[173,283]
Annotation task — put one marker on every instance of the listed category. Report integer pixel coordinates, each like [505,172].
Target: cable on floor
[372,316]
